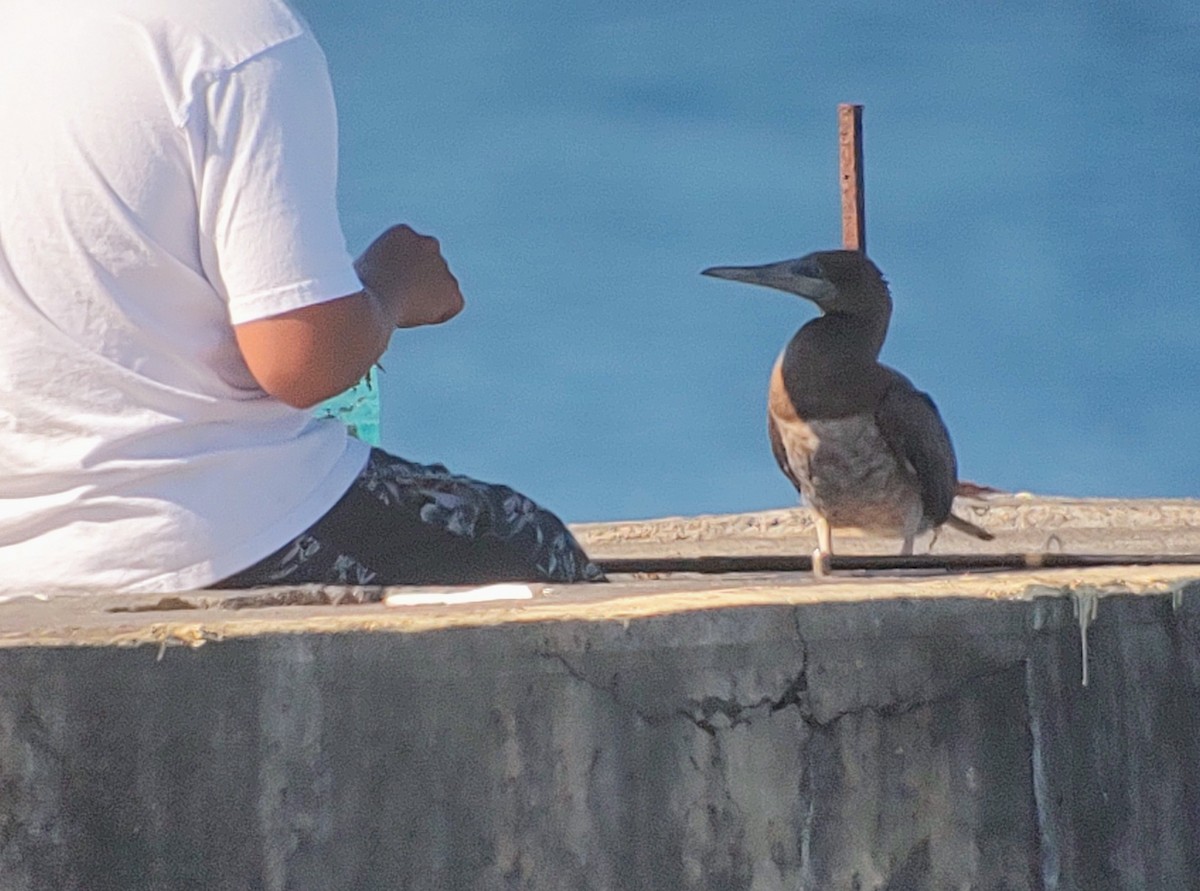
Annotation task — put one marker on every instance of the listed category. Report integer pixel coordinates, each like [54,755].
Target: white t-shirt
[168,168]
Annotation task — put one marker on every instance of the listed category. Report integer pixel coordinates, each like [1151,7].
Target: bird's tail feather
[957,522]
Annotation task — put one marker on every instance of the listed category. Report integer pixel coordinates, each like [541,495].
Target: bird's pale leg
[907,548]
[820,558]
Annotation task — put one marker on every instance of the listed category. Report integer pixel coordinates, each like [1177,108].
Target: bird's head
[836,281]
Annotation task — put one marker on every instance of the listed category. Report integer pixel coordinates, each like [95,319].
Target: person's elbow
[296,385]
[312,354]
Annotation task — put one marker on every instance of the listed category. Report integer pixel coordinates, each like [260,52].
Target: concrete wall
[895,744]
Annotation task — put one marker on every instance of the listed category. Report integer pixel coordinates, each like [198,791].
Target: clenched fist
[407,273]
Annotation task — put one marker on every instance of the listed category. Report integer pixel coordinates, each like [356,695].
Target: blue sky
[1033,195]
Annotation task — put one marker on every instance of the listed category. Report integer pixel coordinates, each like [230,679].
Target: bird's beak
[780,276]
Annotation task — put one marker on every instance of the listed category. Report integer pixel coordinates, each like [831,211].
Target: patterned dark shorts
[412,524]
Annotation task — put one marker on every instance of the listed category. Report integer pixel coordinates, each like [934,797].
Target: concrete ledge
[1022,523]
[871,732]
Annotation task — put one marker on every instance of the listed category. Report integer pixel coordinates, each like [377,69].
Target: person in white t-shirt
[176,296]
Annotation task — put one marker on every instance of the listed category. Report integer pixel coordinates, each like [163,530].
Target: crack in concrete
[714,714]
[703,711]
[706,713]
[700,713]
[903,706]
[607,689]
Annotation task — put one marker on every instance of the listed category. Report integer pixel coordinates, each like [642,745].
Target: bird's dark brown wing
[912,427]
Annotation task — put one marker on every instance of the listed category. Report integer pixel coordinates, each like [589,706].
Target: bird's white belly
[850,475]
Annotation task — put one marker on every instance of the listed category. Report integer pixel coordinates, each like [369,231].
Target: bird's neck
[858,336]
[831,369]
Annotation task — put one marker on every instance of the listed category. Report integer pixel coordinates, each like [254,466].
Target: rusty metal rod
[850,163]
[716,564]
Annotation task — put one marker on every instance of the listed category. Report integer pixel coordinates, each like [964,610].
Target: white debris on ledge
[448,597]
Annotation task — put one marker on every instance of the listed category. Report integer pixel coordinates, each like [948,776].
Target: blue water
[1033,195]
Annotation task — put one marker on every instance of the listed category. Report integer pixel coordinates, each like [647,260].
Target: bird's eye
[808,269]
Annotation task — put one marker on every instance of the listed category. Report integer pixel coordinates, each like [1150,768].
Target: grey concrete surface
[873,731]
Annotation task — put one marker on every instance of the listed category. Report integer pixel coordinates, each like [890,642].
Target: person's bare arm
[308,355]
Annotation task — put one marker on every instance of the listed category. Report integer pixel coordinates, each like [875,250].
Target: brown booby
[863,446]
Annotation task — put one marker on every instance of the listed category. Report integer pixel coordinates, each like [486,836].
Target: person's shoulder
[231,31]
